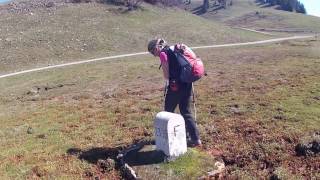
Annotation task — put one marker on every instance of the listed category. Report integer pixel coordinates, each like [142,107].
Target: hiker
[177,92]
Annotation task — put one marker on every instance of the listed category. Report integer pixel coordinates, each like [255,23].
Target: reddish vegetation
[247,145]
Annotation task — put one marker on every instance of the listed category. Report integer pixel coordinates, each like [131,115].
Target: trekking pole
[194,104]
[164,94]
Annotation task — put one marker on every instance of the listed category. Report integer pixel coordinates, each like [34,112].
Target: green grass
[113,103]
[301,105]
[90,30]
[192,164]
[243,14]
[102,107]
[274,19]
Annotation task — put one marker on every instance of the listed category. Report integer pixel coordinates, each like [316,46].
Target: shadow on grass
[144,155]
[112,2]
[198,10]
[216,8]
[138,154]
[94,154]
[267,5]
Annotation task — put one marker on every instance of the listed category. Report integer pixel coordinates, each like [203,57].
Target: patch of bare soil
[103,159]
[36,92]
[260,149]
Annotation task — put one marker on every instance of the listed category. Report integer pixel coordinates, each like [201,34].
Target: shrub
[165,2]
[133,4]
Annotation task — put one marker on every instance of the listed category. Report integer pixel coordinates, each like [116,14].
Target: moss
[191,165]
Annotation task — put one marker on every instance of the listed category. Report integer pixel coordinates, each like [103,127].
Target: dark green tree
[300,8]
[205,5]
[287,5]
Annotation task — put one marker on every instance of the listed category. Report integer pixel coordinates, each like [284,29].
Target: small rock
[315,146]
[9,39]
[88,173]
[317,98]
[214,112]
[220,167]
[308,149]
[42,136]
[49,4]
[106,165]
[146,132]
[128,172]
[236,111]
[33,91]
[279,117]
[274,177]
[30,130]
[107,95]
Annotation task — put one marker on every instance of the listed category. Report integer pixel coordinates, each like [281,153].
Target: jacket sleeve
[164,65]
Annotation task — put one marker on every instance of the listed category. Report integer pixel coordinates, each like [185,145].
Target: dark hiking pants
[182,97]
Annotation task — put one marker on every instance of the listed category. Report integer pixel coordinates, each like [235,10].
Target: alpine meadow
[257,108]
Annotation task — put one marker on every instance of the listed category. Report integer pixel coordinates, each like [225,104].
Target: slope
[68,32]
[247,13]
[256,104]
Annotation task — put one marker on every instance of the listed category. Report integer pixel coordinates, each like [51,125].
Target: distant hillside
[252,14]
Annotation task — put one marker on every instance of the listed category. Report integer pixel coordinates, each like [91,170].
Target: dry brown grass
[74,32]
[252,109]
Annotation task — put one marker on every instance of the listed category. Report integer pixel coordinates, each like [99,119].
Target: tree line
[287,5]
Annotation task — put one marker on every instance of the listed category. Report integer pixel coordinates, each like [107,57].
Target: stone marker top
[167,116]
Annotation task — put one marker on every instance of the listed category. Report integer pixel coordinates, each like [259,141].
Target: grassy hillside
[247,13]
[89,30]
[256,104]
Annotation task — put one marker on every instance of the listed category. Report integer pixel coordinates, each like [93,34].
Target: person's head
[155,46]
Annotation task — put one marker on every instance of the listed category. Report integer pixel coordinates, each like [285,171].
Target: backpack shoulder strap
[165,50]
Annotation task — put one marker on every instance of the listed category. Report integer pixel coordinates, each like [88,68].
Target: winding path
[145,53]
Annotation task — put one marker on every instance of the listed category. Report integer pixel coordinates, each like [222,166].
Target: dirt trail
[145,53]
[253,30]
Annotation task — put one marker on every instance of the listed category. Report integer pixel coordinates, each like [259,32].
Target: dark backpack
[191,67]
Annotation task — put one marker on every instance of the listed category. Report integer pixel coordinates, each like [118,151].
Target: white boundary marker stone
[170,134]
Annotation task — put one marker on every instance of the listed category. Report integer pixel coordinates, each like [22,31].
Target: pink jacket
[164,64]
